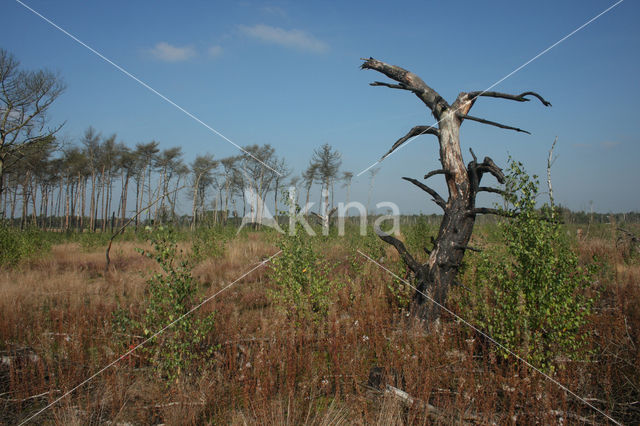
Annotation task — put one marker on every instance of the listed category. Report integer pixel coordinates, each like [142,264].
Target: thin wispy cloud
[609,144]
[274,10]
[581,145]
[214,51]
[294,39]
[168,53]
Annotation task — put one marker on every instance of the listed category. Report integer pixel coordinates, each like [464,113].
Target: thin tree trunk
[67,207]
[195,203]
[14,202]
[125,190]
[93,201]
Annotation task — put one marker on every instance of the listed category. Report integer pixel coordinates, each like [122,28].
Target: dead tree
[435,277]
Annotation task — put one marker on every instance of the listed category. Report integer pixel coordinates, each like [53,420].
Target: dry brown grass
[55,330]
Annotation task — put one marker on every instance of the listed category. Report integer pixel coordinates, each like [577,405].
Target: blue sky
[287,73]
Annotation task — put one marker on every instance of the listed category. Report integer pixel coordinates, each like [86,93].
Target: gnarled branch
[519,98]
[430,97]
[436,197]
[491,123]
[401,86]
[400,248]
[489,189]
[488,166]
[414,132]
[437,172]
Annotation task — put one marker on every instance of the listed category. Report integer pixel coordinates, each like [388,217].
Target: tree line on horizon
[100,181]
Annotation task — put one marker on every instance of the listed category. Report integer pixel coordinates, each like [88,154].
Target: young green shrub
[302,286]
[171,294]
[530,294]
[16,244]
[210,241]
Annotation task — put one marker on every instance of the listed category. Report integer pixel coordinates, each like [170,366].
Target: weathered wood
[413,133]
[491,123]
[436,197]
[435,277]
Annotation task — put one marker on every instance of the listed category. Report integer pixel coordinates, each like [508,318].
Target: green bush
[210,241]
[16,244]
[530,294]
[171,294]
[302,286]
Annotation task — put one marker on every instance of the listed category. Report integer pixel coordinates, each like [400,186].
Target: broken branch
[489,189]
[519,98]
[436,172]
[488,166]
[430,97]
[401,86]
[436,197]
[491,123]
[400,248]
[414,132]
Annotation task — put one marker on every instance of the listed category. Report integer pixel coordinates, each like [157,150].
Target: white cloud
[274,10]
[214,51]
[581,145]
[609,144]
[168,53]
[296,39]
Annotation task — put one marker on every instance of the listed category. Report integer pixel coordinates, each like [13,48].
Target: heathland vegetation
[315,334]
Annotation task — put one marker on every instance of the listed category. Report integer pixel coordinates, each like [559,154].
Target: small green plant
[302,286]
[530,294]
[210,241]
[171,294]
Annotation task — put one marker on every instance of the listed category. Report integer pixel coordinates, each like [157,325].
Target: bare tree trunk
[76,203]
[307,199]
[137,203]
[33,189]
[125,189]
[5,198]
[162,186]
[83,196]
[550,161]
[195,203]
[92,208]
[14,202]
[25,199]
[434,278]
[175,198]
[226,200]
[44,202]
[67,207]
[103,192]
